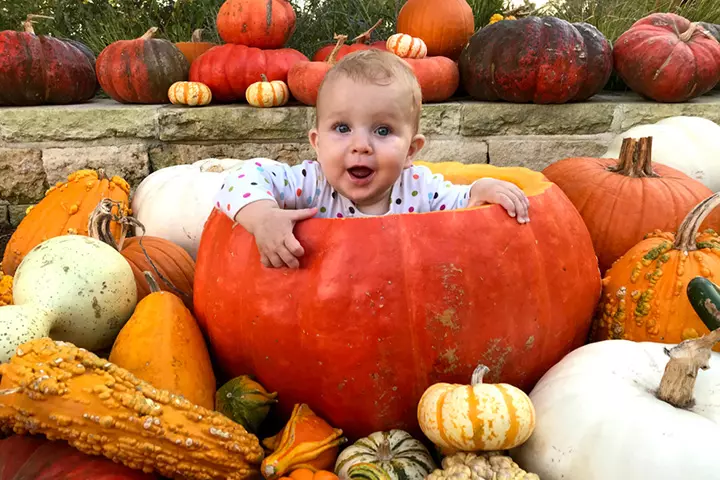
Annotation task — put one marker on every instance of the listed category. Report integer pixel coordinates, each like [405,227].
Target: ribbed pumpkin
[307,474]
[25,457]
[667,58]
[359,43]
[245,401]
[38,69]
[386,329]
[622,200]
[6,284]
[168,261]
[439,77]
[195,47]
[189,93]
[141,70]
[476,417]
[444,26]
[644,292]
[536,59]
[265,94]
[65,209]
[230,69]
[162,345]
[406,46]
[395,452]
[265,24]
[305,78]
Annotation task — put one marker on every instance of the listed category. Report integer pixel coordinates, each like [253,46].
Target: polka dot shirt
[417,190]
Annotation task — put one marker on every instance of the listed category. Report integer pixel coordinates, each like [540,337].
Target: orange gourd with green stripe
[479,416]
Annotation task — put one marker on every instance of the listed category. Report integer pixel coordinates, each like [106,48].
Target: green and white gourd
[70,288]
[395,452]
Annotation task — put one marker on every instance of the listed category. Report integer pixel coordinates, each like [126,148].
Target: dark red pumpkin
[25,457]
[438,77]
[37,69]
[539,60]
[359,43]
[266,24]
[141,70]
[230,69]
[667,58]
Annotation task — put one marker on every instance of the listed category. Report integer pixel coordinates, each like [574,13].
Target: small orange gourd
[307,441]
[406,46]
[163,345]
[307,474]
[267,94]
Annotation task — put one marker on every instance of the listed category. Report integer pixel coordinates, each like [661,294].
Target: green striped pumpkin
[397,453]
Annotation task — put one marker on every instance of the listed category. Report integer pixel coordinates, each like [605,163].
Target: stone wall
[40,146]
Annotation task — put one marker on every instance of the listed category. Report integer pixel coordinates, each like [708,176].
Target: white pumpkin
[395,452]
[688,144]
[598,418]
[71,288]
[174,202]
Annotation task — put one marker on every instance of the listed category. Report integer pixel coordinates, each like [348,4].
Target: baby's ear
[417,144]
[313,137]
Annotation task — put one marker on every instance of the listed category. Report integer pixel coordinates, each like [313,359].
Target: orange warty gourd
[265,24]
[68,393]
[387,327]
[306,441]
[444,26]
[195,47]
[304,78]
[307,474]
[171,263]
[6,284]
[65,209]
[644,295]
[163,345]
[622,200]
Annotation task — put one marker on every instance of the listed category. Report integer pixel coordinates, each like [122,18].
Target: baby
[366,137]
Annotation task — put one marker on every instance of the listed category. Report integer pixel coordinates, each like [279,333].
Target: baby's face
[364,139]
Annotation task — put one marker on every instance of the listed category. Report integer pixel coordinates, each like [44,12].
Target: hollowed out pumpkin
[383,307]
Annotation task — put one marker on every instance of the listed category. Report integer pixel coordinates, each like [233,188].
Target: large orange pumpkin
[65,209]
[644,295]
[445,26]
[304,78]
[195,47]
[439,77]
[622,200]
[264,24]
[383,307]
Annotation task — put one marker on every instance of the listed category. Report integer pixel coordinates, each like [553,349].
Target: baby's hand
[272,228]
[509,195]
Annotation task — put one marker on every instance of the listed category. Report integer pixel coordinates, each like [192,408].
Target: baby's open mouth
[360,172]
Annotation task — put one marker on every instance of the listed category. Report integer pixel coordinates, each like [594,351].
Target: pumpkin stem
[340,40]
[149,34]
[384,452]
[635,158]
[151,282]
[688,230]
[365,36]
[478,374]
[263,77]
[197,35]
[687,34]
[29,20]
[686,358]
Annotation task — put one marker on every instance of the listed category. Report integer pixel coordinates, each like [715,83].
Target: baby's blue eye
[383,131]
[342,128]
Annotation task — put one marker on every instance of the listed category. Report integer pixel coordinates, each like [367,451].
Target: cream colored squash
[688,144]
[600,416]
[476,417]
[71,288]
[396,452]
[174,202]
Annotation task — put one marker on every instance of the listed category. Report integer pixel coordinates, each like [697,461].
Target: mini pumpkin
[245,401]
[266,94]
[406,46]
[308,474]
[477,416]
[192,94]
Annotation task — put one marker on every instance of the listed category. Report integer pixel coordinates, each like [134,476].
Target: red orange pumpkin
[359,43]
[195,47]
[304,78]
[265,24]
[439,77]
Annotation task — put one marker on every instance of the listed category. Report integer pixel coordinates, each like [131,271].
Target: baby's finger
[275,260]
[265,260]
[519,193]
[288,258]
[294,246]
[507,203]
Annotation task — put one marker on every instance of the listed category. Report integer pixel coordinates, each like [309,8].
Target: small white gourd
[70,288]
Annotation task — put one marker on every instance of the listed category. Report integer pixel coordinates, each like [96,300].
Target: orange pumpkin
[167,260]
[622,200]
[195,47]
[359,43]
[406,46]
[304,78]
[264,24]
[439,77]
[644,295]
[65,209]
[445,26]
[163,345]
[307,474]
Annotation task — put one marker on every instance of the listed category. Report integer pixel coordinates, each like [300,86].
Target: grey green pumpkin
[244,401]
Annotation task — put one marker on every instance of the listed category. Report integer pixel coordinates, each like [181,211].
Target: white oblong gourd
[688,144]
[174,202]
[406,46]
[70,288]
[476,417]
[395,452]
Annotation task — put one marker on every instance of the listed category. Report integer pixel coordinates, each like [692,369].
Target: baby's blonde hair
[381,68]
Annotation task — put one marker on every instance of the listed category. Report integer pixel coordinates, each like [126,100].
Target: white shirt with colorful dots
[417,190]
